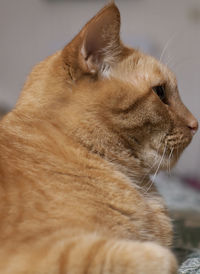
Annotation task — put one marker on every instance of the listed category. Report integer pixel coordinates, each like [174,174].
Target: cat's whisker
[168,59]
[155,174]
[154,164]
[169,160]
[156,156]
[155,160]
[177,153]
[147,173]
[167,45]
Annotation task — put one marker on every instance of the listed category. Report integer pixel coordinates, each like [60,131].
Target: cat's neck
[48,138]
[111,148]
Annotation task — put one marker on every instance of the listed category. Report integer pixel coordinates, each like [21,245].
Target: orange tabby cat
[92,123]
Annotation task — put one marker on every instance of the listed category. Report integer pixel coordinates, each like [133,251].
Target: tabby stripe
[63,260]
[92,254]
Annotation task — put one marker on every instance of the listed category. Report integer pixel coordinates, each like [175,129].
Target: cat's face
[149,112]
[127,94]
[138,99]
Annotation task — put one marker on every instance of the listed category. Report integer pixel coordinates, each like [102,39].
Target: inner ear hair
[97,46]
[101,45]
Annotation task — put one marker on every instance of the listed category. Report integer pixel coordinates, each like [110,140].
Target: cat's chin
[161,162]
[168,164]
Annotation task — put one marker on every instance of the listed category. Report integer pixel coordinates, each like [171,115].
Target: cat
[92,123]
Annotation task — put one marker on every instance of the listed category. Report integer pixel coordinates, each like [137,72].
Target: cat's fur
[75,158]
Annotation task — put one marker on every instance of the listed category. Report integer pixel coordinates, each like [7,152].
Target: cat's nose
[193,125]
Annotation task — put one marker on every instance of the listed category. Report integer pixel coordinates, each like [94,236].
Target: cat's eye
[160,91]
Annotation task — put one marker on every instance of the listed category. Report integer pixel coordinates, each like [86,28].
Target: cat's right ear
[97,46]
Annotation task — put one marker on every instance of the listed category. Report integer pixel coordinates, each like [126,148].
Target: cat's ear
[97,46]
[101,45]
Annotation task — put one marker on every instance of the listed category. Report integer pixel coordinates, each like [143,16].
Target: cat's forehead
[141,69]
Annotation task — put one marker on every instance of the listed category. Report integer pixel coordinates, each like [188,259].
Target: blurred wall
[33,29]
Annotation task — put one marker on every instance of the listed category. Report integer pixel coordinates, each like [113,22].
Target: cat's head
[121,103]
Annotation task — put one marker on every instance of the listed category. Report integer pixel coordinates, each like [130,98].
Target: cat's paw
[145,258]
[158,260]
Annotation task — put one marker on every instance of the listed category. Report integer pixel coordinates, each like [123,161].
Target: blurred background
[30,30]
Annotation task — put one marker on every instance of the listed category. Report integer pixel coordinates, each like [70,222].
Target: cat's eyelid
[161,83]
[160,91]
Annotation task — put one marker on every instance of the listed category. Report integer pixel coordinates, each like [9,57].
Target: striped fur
[75,158]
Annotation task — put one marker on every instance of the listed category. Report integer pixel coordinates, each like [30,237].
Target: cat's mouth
[177,142]
[165,155]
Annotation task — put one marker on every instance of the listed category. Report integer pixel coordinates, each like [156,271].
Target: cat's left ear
[101,45]
[97,46]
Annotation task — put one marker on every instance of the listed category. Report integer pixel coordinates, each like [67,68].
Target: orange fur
[76,155]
